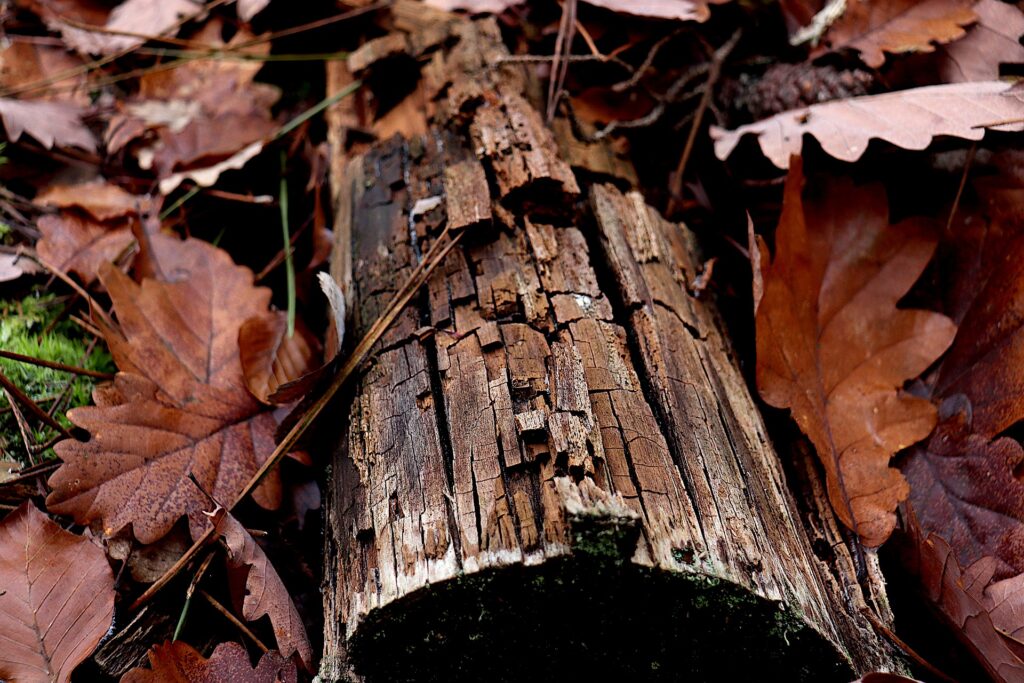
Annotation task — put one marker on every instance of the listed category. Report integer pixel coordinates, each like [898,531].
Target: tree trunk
[551,465]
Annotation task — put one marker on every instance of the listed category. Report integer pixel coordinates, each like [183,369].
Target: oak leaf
[144,17]
[75,244]
[265,593]
[56,598]
[178,662]
[898,26]
[178,404]
[680,10]
[907,118]
[53,124]
[25,64]
[966,505]
[102,200]
[834,349]
[994,40]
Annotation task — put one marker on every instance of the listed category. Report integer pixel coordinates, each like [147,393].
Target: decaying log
[551,466]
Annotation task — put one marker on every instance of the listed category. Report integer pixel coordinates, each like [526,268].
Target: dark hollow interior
[584,617]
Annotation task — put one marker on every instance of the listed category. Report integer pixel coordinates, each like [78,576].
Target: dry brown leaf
[265,593]
[56,598]
[898,26]
[271,359]
[51,123]
[681,10]
[966,504]
[25,63]
[102,200]
[247,9]
[179,404]
[204,113]
[993,41]
[907,118]
[75,244]
[178,662]
[961,597]
[475,6]
[834,349]
[145,17]
[13,266]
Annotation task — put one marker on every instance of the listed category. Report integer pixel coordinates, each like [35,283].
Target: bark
[551,466]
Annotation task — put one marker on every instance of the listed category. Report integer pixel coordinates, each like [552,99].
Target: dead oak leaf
[980,611]
[994,40]
[179,404]
[964,483]
[53,124]
[910,119]
[966,504]
[75,244]
[265,593]
[178,662]
[102,200]
[680,10]
[898,26]
[56,598]
[834,349]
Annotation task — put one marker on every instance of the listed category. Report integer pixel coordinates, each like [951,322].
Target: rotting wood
[561,478]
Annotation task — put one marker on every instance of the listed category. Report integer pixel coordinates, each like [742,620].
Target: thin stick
[53,365]
[963,183]
[435,255]
[66,279]
[563,47]
[234,620]
[717,60]
[27,402]
[23,429]
[31,473]
[899,643]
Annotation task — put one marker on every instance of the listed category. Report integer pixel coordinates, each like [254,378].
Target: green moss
[31,327]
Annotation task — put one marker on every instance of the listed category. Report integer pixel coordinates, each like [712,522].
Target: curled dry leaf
[56,598]
[907,118]
[834,349]
[681,10]
[75,244]
[967,500]
[144,17]
[994,40]
[53,124]
[102,200]
[271,359]
[204,113]
[25,64]
[178,662]
[898,26]
[265,593]
[495,6]
[179,404]
[13,266]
